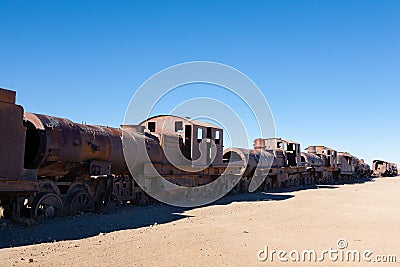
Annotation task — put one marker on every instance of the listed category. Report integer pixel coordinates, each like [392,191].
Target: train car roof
[280,139]
[187,119]
[323,147]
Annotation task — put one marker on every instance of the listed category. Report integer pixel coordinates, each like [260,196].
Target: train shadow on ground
[128,217]
[359,181]
[250,197]
[322,186]
[88,225]
[304,187]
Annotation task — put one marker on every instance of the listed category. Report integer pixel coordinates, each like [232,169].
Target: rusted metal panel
[18,186]
[12,136]
[249,159]
[347,163]
[311,160]
[7,96]
[139,145]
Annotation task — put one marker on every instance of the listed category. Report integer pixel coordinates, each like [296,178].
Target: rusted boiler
[58,147]
[251,163]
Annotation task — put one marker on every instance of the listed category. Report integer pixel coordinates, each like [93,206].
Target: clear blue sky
[329,69]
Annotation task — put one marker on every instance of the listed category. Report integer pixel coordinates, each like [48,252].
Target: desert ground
[230,232]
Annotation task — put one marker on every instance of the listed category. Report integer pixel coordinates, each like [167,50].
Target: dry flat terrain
[230,232]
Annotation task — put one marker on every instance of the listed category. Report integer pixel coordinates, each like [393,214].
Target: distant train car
[383,168]
[380,168]
[393,167]
[328,171]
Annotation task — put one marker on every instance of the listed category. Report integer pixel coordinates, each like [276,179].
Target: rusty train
[52,166]
[383,168]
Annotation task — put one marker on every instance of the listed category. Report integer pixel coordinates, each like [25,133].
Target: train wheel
[110,204]
[48,186]
[143,201]
[80,201]
[46,206]
[113,202]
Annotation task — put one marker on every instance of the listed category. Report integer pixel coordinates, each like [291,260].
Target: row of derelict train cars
[51,166]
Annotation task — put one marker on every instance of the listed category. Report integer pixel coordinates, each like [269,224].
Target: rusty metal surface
[347,163]
[328,155]
[12,136]
[58,146]
[249,159]
[7,96]
[311,160]
[141,144]
[18,186]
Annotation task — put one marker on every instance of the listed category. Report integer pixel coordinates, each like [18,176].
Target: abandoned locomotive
[52,166]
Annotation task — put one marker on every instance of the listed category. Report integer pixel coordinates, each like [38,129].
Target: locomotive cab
[290,149]
[187,141]
[328,155]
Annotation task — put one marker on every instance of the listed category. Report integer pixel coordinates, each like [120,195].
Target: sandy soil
[230,232]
